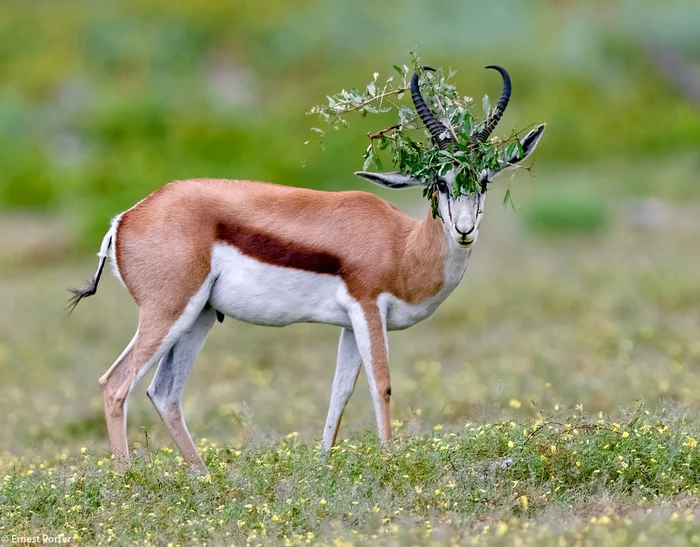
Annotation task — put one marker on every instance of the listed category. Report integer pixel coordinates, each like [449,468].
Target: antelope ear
[528,143]
[390,180]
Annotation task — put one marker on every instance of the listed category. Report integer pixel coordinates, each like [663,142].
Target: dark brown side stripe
[268,249]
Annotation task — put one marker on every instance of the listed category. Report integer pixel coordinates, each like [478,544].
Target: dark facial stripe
[271,250]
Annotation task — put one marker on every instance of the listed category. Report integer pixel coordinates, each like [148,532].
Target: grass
[480,482]
[585,324]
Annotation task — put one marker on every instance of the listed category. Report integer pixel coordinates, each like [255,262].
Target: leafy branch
[353,100]
[408,143]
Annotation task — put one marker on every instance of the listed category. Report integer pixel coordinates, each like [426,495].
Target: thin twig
[366,102]
[380,96]
[381,133]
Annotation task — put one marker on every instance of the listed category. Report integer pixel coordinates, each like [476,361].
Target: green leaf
[511,151]
[369,157]
[508,199]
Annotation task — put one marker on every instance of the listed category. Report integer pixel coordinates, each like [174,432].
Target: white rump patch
[111,251]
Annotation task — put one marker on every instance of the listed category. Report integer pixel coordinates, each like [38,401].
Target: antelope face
[461,213]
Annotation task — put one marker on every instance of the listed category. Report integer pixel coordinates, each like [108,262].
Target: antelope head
[460,211]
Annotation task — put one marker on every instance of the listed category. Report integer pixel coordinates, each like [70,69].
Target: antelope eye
[442,186]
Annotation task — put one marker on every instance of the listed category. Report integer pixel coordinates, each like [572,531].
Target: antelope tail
[90,287]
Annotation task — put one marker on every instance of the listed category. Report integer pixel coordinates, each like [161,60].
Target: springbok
[197,250]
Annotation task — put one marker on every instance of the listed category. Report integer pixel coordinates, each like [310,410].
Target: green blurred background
[588,293]
[104,101]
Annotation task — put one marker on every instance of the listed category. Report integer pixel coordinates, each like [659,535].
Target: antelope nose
[460,232]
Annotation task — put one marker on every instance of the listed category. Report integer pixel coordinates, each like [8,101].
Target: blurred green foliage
[566,212]
[102,102]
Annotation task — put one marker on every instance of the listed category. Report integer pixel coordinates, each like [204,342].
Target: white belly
[259,293]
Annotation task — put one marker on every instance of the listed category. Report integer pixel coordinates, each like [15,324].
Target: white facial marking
[461,215]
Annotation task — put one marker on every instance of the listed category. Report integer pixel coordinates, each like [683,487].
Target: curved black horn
[434,126]
[493,120]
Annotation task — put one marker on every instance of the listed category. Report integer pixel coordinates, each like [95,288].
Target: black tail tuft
[90,287]
[86,290]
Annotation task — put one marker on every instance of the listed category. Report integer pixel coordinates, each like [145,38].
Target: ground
[554,395]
